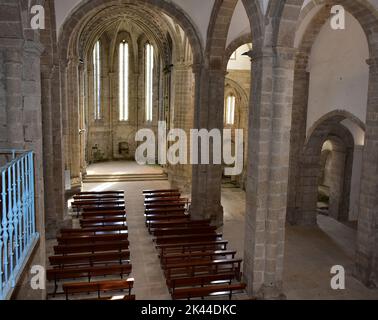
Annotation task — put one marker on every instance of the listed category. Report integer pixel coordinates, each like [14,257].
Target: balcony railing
[17,216]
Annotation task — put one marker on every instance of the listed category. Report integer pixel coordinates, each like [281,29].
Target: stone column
[367,237]
[208,114]
[48,152]
[13,83]
[73,121]
[180,175]
[298,138]
[268,166]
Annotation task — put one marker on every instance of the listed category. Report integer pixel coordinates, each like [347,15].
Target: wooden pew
[101,221]
[92,247]
[188,293]
[98,201]
[165,210]
[164,199]
[162,195]
[200,281]
[98,287]
[186,247]
[181,231]
[79,239]
[98,197]
[177,223]
[59,274]
[190,269]
[156,217]
[89,214]
[95,232]
[89,259]
[103,208]
[86,216]
[182,257]
[160,191]
[188,238]
[83,193]
[168,204]
[99,225]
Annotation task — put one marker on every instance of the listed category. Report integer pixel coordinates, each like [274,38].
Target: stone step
[125,177]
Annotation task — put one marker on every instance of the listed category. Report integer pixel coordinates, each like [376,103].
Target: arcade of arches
[305,95]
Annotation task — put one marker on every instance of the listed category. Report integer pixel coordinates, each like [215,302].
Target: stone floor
[122,167]
[310,253]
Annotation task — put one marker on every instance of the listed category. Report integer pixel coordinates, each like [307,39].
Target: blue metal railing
[17,216]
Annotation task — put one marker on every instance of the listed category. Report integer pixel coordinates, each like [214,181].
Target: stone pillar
[208,114]
[48,153]
[180,175]
[298,137]
[268,166]
[13,83]
[367,237]
[338,175]
[73,121]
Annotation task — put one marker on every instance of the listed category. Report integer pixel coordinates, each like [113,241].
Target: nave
[310,252]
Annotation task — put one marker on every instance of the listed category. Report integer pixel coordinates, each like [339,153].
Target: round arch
[327,128]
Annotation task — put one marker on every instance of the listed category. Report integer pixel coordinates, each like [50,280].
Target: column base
[215,213]
[271,293]
[364,272]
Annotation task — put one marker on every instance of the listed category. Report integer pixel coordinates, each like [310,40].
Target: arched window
[230,110]
[123,81]
[97,81]
[149,81]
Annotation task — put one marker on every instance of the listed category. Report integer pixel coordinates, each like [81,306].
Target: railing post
[5,229]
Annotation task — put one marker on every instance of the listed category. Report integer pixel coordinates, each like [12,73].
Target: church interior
[81,218]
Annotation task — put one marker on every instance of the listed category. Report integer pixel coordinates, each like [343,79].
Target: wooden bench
[162,195]
[177,223]
[200,281]
[94,231]
[165,205]
[163,210]
[90,259]
[190,269]
[79,239]
[100,225]
[187,247]
[83,193]
[97,203]
[114,298]
[98,197]
[188,238]
[104,209]
[160,191]
[181,257]
[158,217]
[92,247]
[58,274]
[100,221]
[181,231]
[98,287]
[164,199]
[104,214]
[188,293]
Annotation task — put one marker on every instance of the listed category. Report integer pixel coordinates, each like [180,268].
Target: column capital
[33,47]
[373,61]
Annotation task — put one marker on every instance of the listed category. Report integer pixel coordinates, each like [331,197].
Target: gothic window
[123,81]
[149,81]
[97,81]
[230,110]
